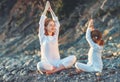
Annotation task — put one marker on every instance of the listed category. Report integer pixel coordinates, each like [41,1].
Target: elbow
[86,36]
[87,39]
[58,24]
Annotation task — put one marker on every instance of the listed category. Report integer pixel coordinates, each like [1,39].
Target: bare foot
[79,71]
[55,70]
[40,72]
[48,72]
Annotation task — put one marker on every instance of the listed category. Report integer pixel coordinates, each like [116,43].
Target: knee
[73,58]
[76,64]
[44,66]
[79,65]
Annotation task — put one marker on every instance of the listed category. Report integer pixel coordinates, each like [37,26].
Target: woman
[48,36]
[94,38]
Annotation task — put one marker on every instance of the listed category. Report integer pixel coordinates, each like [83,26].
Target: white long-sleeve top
[49,44]
[95,53]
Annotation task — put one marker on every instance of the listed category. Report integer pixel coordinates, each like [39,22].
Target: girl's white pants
[66,62]
[87,68]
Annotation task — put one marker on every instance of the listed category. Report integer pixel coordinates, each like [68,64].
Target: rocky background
[19,43]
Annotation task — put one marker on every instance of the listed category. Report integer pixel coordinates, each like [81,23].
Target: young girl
[94,38]
[48,36]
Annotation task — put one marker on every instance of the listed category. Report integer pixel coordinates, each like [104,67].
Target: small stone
[26,58]
[36,51]
[32,68]
[108,54]
[62,51]
[82,77]
[2,72]
[54,80]
[71,50]
[111,44]
[11,67]
[14,72]
[39,53]
[28,62]
[7,77]
[77,78]
[115,54]
[23,72]
[1,67]
[98,74]
[77,30]
[118,53]
[6,67]
[36,58]
[118,45]
[110,38]
[26,53]
[31,52]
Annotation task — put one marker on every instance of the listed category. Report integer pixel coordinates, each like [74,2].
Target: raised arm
[46,8]
[53,14]
[54,17]
[41,22]
[88,33]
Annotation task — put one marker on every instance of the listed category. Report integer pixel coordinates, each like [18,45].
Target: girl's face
[51,27]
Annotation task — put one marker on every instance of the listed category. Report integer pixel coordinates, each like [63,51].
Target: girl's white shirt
[95,52]
[49,44]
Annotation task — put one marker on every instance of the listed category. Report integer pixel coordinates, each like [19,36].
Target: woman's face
[51,27]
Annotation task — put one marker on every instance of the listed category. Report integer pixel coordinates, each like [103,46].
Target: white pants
[86,67]
[66,62]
